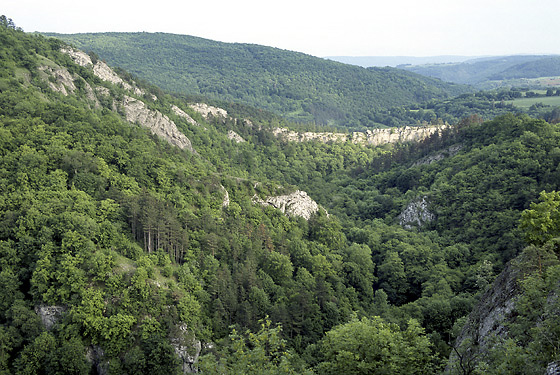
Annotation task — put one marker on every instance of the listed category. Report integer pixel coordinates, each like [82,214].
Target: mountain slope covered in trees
[300,87]
[479,71]
[128,241]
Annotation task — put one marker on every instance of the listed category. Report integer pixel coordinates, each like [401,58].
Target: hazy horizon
[355,28]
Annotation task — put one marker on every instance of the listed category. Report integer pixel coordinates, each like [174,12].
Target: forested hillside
[300,87]
[478,71]
[124,251]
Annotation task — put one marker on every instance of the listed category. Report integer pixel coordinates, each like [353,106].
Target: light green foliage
[263,352]
[373,346]
[542,221]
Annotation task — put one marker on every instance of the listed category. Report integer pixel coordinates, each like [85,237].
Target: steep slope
[514,327]
[298,86]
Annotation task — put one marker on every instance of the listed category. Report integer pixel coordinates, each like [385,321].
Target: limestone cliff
[61,80]
[208,111]
[137,112]
[49,315]
[100,69]
[297,203]
[370,137]
[187,348]
[450,151]
[179,112]
[486,322]
[416,213]
[235,137]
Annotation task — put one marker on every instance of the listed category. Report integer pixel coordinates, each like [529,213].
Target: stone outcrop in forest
[416,213]
[297,203]
[373,137]
[514,325]
[207,110]
[136,110]
[49,315]
[158,123]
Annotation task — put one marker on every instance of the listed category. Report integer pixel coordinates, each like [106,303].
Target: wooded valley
[123,253]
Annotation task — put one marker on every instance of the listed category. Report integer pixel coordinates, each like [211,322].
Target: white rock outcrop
[451,151]
[293,136]
[373,137]
[63,80]
[225,201]
[49,315]
[137,112]
[179,112]
[416,214]
[235,137]
[100,69]
[187,348]
[207,110]
[297,203]
[489,318]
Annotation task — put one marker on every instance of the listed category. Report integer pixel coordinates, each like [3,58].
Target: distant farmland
[553,101]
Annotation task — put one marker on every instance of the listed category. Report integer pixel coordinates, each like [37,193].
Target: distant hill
[395,61]
[478,71]
[300,87]
[545,67]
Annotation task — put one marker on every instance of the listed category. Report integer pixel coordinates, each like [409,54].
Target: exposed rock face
[100,69]
[187,348]
[96,356]
[81,58]
[553,368]
[137,112]
[179,112]
[416,214]
[64,83]
[225,202]
[296,204]
[49,315]
[206,110]
[451,151]
[489,318]
[235,137]
[370,137]
[293,136]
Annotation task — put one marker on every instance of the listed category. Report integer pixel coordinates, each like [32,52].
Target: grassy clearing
[553,101]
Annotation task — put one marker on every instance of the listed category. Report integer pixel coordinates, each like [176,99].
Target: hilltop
[300,87]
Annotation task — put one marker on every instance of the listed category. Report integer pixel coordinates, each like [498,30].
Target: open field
[553,101]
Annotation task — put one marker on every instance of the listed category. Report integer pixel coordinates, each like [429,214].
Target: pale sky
[319,28]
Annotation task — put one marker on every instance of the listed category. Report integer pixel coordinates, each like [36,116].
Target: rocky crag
[297,203]
[135,110]
[416,214]
[158,123]
[496,319]
[373,137]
